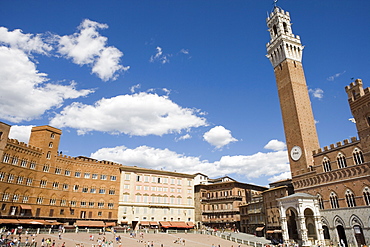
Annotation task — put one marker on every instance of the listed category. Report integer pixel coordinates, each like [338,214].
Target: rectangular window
[43,183]
[113,178]
[75,187]
[73,203]
[165,180]
[154,179]
[146,179]
[172,181]
[25,199]
[179,182]
[83,204]
[95,176]
[53,201]
[29,181]
[33,165]
[101,191]
[127,176]
[45,168]
[103,177]
[67,172]
[55,185]
[20,180]
[100,204]
[10,178]
[126,186]
[24,163]
[77,174]
[93,190]
[85,190]
[125,198]
[138,198]
[91,204]
[6,158]
[15,197]
[58,170]
[39,200]
[86,175]
[63,202]
[110,205]
[112,192]
[138,178]
[65,186]
[15,161]
[138,187]
[2,176]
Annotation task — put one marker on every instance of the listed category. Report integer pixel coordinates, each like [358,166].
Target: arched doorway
[342,236]
[310,224]
[359,235]
[292,224]
[326,232]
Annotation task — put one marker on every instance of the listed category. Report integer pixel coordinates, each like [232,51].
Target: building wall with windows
[220,200]
[38,181]
[155,196]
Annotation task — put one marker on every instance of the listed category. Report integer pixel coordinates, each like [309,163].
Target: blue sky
[175,85]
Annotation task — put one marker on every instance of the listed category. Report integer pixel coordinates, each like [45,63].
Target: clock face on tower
[296,153]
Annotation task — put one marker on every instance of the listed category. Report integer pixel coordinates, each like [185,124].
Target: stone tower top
[283,43]
[355,90]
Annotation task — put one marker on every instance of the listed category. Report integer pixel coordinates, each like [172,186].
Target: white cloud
[88,47]
[133,88]
[184,51]
[275,145]
[184,137]
[219,137]
[138,114]
[317,93]
[24,93]
[333,77]
[160,57]
[26,42]
[20,132]
[252,166]
[282,176]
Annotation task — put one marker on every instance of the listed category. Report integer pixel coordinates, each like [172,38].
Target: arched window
[358,157]
[341,159]
[321,201]
[275,30]
[334,200]
[350,199]
[326,164]
[285,27]
[366,194]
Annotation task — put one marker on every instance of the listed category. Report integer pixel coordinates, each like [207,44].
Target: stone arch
[337,220]
[355,220]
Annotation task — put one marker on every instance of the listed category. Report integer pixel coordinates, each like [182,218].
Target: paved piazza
[159,240]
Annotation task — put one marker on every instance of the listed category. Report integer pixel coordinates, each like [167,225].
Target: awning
[270,231]
[277,231]
[110,223]
[89,223]
[165,224]
[144,223]
[179,224]
[258,229]
[190,224]
[26,207]
[9,221]
[153,223]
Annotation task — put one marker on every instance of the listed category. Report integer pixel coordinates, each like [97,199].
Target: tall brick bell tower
[285,53]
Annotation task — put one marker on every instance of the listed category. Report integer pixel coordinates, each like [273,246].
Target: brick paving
[159,240]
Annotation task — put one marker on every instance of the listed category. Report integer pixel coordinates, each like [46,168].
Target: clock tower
[285,54]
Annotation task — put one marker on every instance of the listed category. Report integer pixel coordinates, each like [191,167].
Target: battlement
[355,90]
[276,11]
[23,145]
[87,160]
[332,147]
